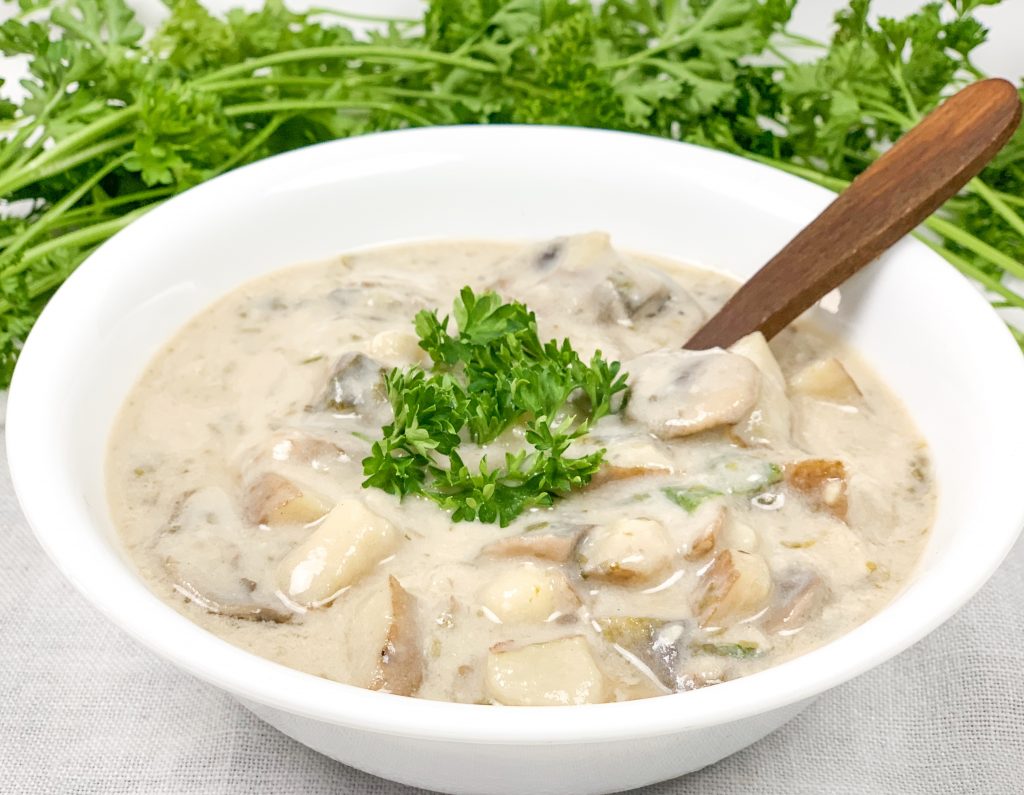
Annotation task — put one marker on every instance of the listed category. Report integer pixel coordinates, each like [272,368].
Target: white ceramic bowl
[924,328]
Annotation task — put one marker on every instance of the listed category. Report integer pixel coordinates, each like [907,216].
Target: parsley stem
[253,108]
[355,52]
[973,272]
[89,132]
[35,173]
[1009,198]
[15,145]
[46,220]
[101,207]
[993,200]
[84,236]
[341,14]
[252,145]
[953,232]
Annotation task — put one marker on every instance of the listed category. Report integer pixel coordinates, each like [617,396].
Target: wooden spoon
[896,193]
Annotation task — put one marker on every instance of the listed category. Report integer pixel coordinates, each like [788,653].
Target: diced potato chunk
[274,500]
[734,586]
[384,646]
[822,482]
[556,547]
[557,672]
[626,551]
[769,422]
[827,380]
[349,542]
[528,592]
[398,347]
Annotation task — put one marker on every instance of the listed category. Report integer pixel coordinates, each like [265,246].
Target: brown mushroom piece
[678,392]
[302,448]
[653,645]
[216,573]
[711,520]
[555,544]
[356,386]
[822,482]
[629,459]
[274,500]
[798,598]
[384,646]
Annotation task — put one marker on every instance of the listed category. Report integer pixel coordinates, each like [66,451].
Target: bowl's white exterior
[924,328]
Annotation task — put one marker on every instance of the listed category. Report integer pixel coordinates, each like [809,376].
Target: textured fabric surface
[85,709]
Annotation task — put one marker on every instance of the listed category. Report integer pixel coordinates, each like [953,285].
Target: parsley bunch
[494,374]
[110,123]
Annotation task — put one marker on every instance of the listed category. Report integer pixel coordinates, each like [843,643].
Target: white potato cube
[827,380]
[349,542]
[384,647]
[769,423]
[557,672]
[527,593]
[626,551]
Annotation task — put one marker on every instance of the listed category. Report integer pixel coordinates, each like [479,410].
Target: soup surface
[751,505]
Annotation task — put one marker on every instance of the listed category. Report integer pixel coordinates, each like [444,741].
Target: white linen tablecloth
[85,709]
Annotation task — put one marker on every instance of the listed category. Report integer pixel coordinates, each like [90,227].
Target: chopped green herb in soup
[488,473]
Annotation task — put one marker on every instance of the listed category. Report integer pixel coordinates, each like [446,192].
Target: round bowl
[924,328]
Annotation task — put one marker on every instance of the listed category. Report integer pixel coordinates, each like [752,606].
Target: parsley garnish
[494,374]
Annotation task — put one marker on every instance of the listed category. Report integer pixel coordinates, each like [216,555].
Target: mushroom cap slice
[678,393]
[384,644]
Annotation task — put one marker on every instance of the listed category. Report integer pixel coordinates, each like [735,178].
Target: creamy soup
[751,504]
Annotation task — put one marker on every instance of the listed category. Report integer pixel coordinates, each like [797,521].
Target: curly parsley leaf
[492,374]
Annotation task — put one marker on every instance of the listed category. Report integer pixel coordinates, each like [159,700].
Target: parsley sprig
[108,122]
[492,375]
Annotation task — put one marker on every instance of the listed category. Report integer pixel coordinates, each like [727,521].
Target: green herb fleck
[742,650]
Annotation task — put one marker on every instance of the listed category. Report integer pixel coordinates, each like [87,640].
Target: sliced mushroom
[349,542]
[557,672]
[312,451]
[208,567]
[631,458]
[553,546]
[651,644]
[827,380]
[384,647]
[677,392]
[224,592]
[734,586]
[626,551]
[528,593]
[823,482]
[356,385]
[274,500]
[799,597]
[769,421]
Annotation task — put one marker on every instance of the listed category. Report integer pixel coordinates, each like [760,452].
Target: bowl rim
[256,679]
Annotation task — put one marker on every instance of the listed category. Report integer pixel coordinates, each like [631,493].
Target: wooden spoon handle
[896,193]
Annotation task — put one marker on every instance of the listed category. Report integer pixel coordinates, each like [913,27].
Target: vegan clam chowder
[487,473]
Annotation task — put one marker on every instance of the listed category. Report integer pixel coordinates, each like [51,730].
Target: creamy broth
[753,504]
